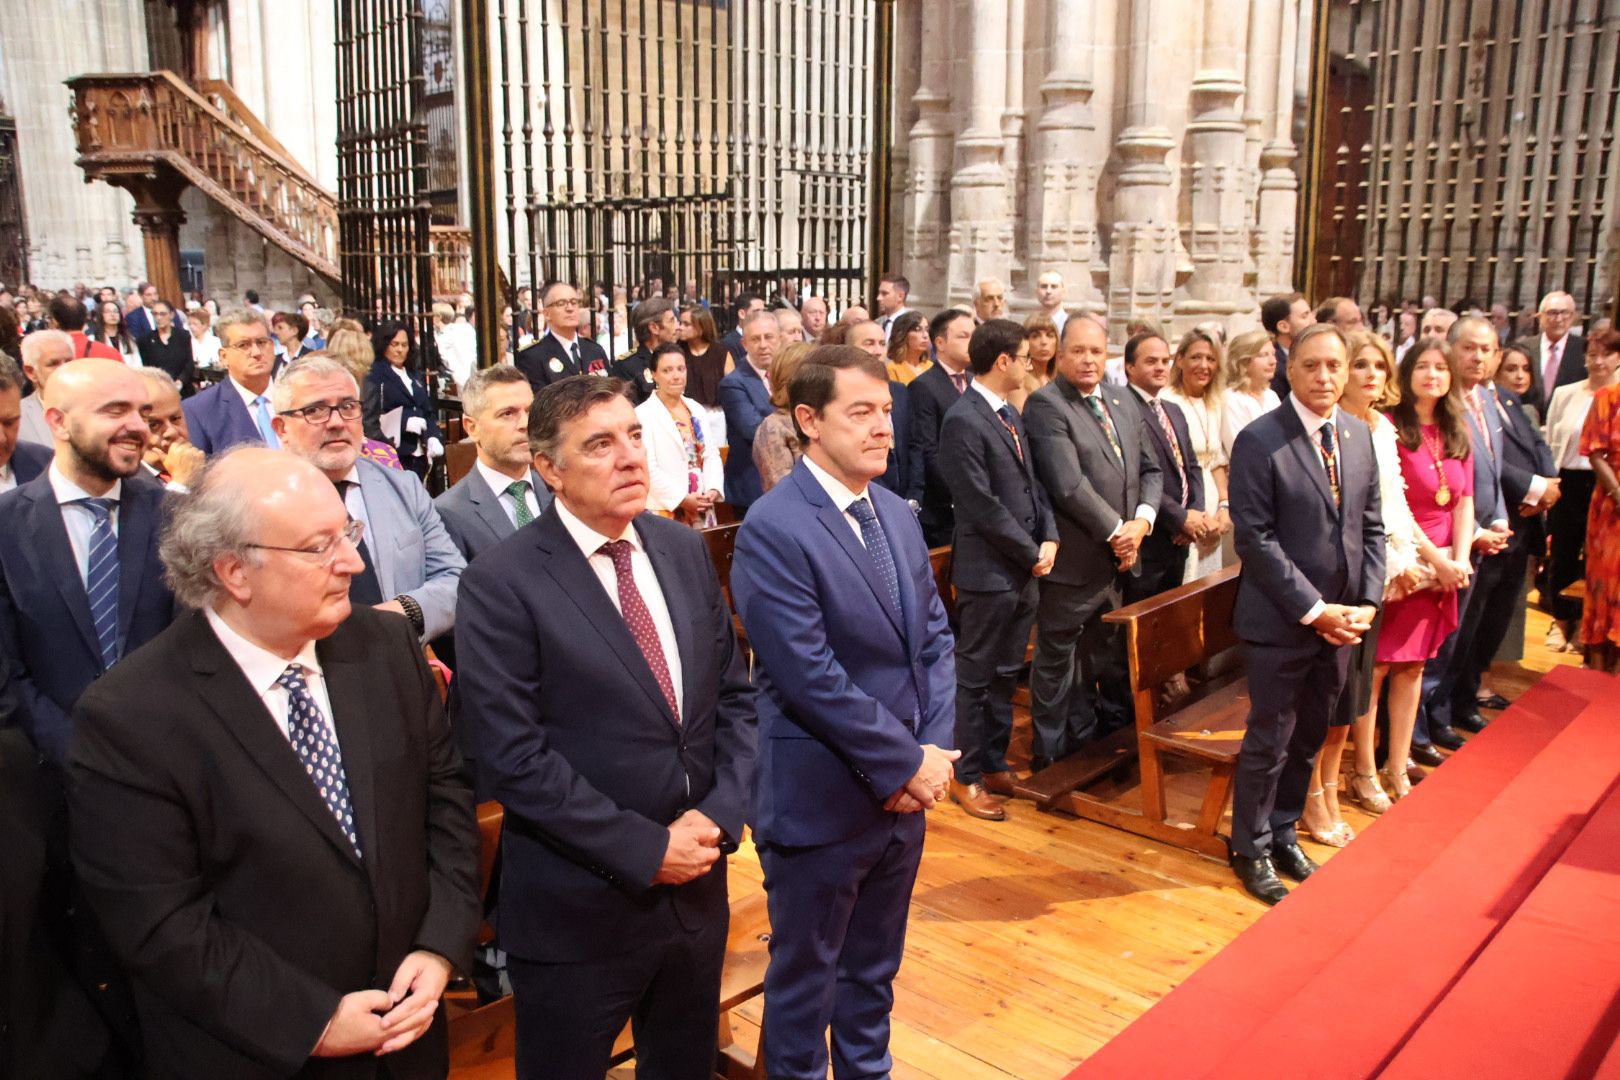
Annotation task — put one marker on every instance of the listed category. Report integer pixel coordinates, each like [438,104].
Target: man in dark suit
[855,666]
[744,307]
[1310,532]
[745,396]
[20,461]
[168,348]
[562,350]
[929,397]
[237,409]
[606,699]
[1179,522]
[1103,478]
[653,323]
[1283,317]
[868,337]
[1006,537]
[1559,356]
[269,816]
[140,322]
[501,493]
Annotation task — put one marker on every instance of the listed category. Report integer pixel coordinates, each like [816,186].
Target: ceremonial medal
[1436,450]
[1442,497]
[556,365]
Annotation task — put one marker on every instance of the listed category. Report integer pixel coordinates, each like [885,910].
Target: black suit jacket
[390,394]
[636,369]
[931,396]
[573,736]
[1571,368]
[1279,379]
[546,361]
[1172,518]
[28,460]
[1525,456]
[221,877]
[1002,513]
[174,357]
[897,478]
[732,340]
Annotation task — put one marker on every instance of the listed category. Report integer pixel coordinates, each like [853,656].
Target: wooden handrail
[235,109]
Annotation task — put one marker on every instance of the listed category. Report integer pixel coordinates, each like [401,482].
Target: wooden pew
[722,542]
[1165,636]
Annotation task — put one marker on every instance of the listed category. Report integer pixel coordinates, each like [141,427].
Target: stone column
[1215,171]
[1063,182]
[1142,262]
[1279,185]
[908,50]
[927,194]
[981,236]
[1012,126]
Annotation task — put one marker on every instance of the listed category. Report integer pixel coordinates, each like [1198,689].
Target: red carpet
[1470,928]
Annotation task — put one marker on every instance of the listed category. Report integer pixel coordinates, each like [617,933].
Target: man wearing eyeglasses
[1560,355]
[411,566]
[562,350]
[237,409]
[269,815]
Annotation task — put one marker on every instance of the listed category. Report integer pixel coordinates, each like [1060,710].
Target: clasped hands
[1342,624]
[1202,528]
[382,1021]
[1127,542]
[928,786]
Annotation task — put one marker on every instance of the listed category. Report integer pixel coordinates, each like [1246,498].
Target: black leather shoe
[1291,862]
[1426,755]
[1473,723]
[1259,879]
[1495,701]
[1446,738]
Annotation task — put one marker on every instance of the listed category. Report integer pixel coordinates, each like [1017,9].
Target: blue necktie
[877,546]
[261,417]
[101,581]
[316,746]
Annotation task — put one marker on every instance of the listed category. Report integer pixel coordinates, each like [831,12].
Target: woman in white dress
[683,464]
[1250,364]
[1195,385]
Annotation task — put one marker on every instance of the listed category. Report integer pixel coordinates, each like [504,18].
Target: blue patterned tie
[261,419]
[101,581]
[317,747]
[877,546]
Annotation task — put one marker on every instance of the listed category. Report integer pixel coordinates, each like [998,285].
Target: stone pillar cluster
[1143,149]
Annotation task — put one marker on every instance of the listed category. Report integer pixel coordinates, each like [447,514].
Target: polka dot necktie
[877,546]
[639,620]
[316,746]
[519,490]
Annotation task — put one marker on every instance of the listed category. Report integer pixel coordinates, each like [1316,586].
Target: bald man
[43,352]
[1560,356]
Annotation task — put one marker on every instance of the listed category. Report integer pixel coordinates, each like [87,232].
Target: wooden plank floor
[1035,940]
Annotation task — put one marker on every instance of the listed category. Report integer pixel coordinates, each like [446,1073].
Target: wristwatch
[413,612]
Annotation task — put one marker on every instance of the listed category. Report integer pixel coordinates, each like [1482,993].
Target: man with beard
[80,588]
[501,493]
[170,457]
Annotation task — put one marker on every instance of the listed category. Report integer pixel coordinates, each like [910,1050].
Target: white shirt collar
[588,539]
[6,477]
[261,666]
[498,481]
[248,396]
[566,343]
[840,495]
[1309,417]
[1547,344]
[997,402]
[940,360]
[67,491]
[1143,394]
[763,373]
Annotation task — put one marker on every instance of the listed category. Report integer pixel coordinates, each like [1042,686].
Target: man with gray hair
[269,816]
[237,409]
[170,457]
[745,395]
[653,322]
[501,493]
[43,352]
[411,565]
[1560,356]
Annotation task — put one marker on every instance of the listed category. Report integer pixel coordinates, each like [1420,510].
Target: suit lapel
[345,671]
[487,505]
[1085,421]
[844,534]
[986,413]
[55,553]
[1310,458]
[135,525]
[1114,406]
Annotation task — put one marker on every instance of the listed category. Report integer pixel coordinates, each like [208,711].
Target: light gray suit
[1093,490]
[474,515]
[33,427]
[413,553]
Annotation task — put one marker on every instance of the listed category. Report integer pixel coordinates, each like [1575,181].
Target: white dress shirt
[641,571]
[354,501]
[81,520]
[997,402]
[840,495]
[262,668]
[8,478]
[1314,422]
[205,350]
[499,482]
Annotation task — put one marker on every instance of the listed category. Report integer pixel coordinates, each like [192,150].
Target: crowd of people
[239,822]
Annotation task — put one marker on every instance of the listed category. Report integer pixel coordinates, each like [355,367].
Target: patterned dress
[1204,419]
[1601,438]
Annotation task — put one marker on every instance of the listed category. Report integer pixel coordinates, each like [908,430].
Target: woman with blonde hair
[1195,385]
[776,442]
[351,346]
[1251,363]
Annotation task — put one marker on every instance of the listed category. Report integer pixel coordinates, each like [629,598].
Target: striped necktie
[101,580]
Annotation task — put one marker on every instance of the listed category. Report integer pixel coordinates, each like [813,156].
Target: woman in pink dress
[1439,474]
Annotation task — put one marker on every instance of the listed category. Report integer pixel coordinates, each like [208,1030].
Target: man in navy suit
[140,322]
[743,308]
[20,461]
[237,409]
[745,396]
[1310,532]
[1006,537]
[857,675]
[562,350]
[930,396]
[501,492]
[1164,552]
[606,700]
[868,337]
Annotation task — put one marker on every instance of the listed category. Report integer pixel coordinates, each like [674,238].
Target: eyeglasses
[326,552]
[1024,358]
[318,414]
[1560,313]
[564,304]
[253,344]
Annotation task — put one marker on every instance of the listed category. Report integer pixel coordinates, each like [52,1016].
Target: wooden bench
[1165,635]
[722,543]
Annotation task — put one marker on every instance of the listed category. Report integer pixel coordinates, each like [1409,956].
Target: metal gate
[1467,152]
[13,224]
[701,145]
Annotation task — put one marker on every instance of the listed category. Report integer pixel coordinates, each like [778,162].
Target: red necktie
[960,382]
[639,620]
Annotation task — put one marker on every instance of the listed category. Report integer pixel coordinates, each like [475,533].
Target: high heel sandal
[1333,836]
[1367,793]
[1396,786]
[1340,826]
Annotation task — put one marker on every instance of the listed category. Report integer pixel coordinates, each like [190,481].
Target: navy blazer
[1172,517]
[1525,456]
[931,396]
[850,688]
[1489,504]
[391,395]
[746,401]
[1002,512]
[474,516]
[139,323]
[1297,545]
[29,460]
[47,638]
[218,419]
[546,361]
[898,477]
[574,738]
